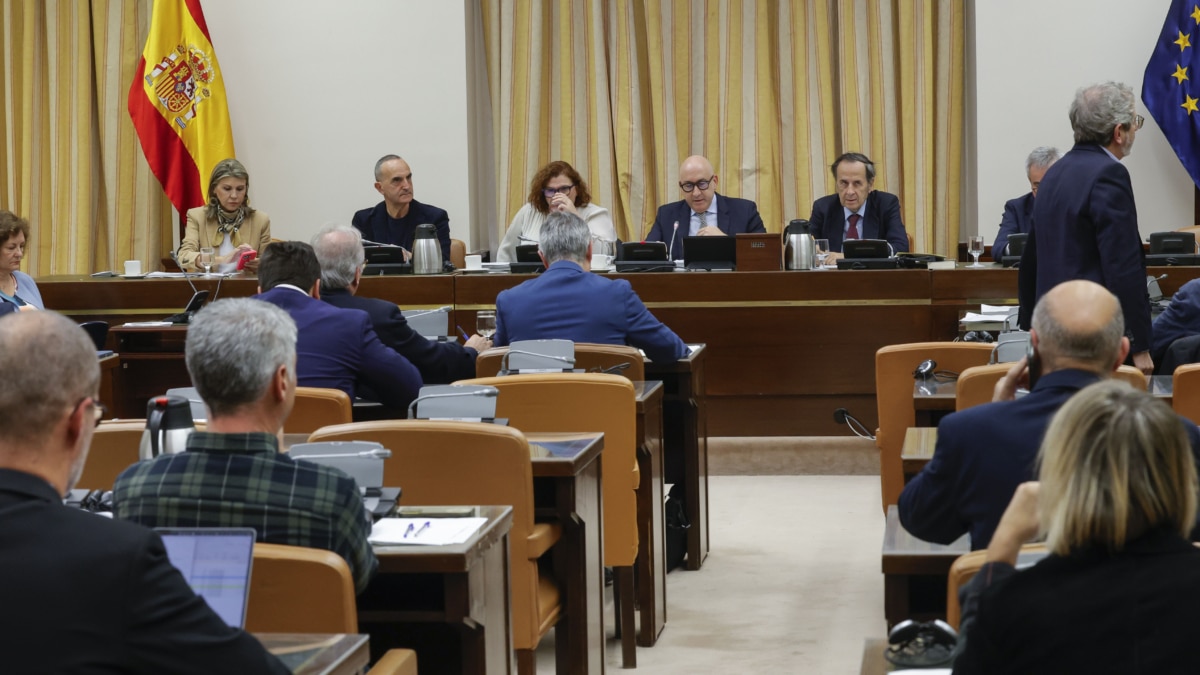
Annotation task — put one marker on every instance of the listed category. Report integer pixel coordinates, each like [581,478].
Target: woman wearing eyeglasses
[556,187]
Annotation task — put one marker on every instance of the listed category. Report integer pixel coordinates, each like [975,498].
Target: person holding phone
[984,453]
[227,224]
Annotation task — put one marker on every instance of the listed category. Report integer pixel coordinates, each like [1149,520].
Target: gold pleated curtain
[70,162]
[770,91]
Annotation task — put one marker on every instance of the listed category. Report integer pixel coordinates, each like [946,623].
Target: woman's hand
[1018,525]
[561,202]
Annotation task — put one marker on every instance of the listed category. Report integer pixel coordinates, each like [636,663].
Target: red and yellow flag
[177,102]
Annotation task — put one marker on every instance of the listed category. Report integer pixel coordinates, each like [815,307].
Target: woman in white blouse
[556,187]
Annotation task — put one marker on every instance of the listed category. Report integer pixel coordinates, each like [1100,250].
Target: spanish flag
[177,102]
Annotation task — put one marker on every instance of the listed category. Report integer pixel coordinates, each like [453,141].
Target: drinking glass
[206,260]
[485,323]
[821,249]
[975,248]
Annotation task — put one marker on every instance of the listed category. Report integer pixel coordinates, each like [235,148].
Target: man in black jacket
[340,251]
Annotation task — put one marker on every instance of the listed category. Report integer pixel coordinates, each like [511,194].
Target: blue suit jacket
[882,221]
[1091,232]
[1017,219]
[982,455]
[1181,319]
[439,362]
[376,225]
[734,216]
[567,303]
[338,349]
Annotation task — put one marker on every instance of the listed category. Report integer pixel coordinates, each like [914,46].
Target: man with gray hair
[568,302]
[84,593]
[1018,213]
[339,249]
[241,355]
[1091,227]
[395,219]
[983,453]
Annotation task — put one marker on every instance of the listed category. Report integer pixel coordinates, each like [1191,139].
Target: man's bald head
[696,164]
[1080,324]
[698,181]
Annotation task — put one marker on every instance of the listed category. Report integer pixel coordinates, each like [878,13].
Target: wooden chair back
[588,356]
[318,407]
[458,253]
[1185,391]
[114,448]
[965,567]
[1132,375]
[976,384]
[294,589]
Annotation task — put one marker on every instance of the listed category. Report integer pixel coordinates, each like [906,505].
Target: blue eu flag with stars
[1171,84]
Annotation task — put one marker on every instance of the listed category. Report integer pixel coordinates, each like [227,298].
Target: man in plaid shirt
[241,355]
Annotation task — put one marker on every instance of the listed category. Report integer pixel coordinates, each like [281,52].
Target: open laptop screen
[216,563]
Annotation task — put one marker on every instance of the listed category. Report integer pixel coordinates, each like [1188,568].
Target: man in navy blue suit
[335,348]
[702,212]
[984,453]
[395,219]
[1018,213]
[339,249]
[568,302]
[1091,227]
[857,210]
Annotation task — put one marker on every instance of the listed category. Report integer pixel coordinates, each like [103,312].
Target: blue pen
[463,333]
[418,532]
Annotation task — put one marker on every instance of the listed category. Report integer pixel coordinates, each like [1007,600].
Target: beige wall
[1031,56]
[320,90]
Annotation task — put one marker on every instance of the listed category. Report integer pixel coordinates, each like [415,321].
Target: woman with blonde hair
[227,224]
[1120,589]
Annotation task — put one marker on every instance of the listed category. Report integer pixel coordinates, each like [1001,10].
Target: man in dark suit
[984,453]
[83,593]
[1018,213]
[702,212]
[568,302]
[1086,202]
[339,249]
[395,219]
[337,348]
[857,210]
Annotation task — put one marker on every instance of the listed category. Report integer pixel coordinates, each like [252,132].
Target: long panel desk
[785,349]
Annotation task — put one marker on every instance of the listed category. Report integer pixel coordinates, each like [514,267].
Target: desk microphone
[373,453]
[570,363]
[671,248]
[195,303]
[488,392]
[175,257]
[444,309]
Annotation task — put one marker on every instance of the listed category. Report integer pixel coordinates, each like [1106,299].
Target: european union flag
[1170,80]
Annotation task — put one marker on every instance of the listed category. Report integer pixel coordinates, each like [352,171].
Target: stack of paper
[424,531]
[989,313]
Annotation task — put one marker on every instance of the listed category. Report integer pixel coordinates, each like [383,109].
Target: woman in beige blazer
[227,224]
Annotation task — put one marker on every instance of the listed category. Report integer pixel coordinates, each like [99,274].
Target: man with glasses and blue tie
[857,210]
[702,212]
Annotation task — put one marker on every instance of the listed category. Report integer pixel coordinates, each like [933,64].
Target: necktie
[852,233]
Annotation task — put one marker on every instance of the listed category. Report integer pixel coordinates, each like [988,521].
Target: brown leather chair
[294,589]
[317,407]
[894,366]
[114,448]
[963,570]
[458,253]
[588,356]
[1131,375]
[1185,391]
[976,384]
[441,463]
[581,402]
[396,662]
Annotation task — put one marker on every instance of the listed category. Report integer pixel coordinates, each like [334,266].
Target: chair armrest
[396,662]
[543,536]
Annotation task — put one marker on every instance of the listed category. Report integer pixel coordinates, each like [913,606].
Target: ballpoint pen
[408,530]
[463,333]
[418,532]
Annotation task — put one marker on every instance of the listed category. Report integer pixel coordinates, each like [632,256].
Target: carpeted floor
[792,585]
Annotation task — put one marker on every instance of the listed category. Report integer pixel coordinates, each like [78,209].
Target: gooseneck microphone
[376,453]
[671,248]
[570,363]
[488,392]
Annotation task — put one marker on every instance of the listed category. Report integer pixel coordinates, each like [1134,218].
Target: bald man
[984,453]
[702,212]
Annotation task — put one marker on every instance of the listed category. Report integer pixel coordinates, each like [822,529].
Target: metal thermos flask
[168,426]
[427,251]
[798,251]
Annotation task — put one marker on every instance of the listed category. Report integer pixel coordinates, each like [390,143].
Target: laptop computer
[216,562]
[710,253]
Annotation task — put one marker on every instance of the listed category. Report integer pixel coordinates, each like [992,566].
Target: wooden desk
[566,486]
[919,444]
[152,362]
[652,556]
[450,604]
[305,654]
[108,388]
[914,571]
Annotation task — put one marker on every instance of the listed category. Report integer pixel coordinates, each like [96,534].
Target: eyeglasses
[99,410]
[550,192]
[1138,121]
[702,184]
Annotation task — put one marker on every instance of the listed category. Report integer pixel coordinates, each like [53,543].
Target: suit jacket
[734,216]
[565,302]
[1017,219]
[376,225]
[1131,612]
[1086,201]
[86,594]
[438,362]
[338,349]
[983,453]
[201,233]
[881,221]
[1180,319]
